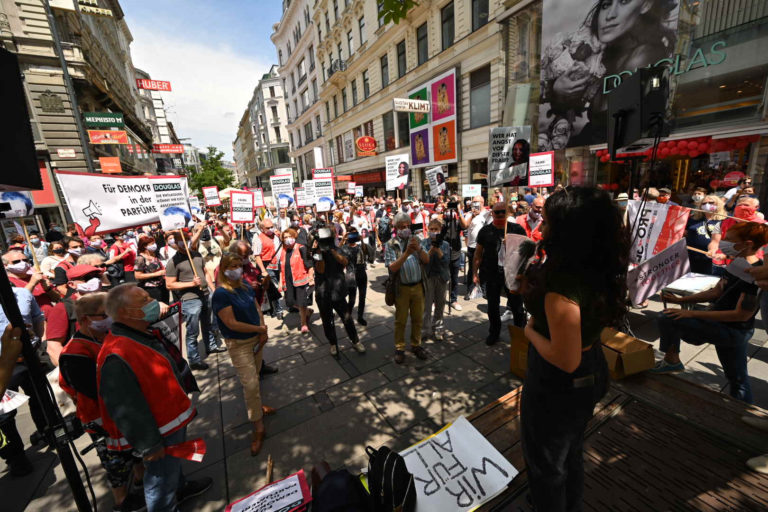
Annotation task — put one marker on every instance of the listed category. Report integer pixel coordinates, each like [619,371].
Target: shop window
[479,13]
[403,134]
[480,97]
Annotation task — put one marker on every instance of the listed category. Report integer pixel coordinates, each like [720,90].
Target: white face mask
[76,251]
[729,249]
[152,247]
[709,207]
[534,215]
[290,241]
[18,268]
[697,198]
[90,286]
[235,274]
[96,243]
[102,325]
[34,241]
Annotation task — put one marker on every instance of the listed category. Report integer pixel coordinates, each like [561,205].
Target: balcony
[336,66]
[275,121]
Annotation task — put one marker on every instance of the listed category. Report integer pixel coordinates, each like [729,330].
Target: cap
[665,190]
[622,197]
[79,271]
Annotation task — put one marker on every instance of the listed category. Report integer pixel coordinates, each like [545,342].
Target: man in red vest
[531,221]
[143,385]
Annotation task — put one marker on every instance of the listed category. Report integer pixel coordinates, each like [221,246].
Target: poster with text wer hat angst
[508,150]
[587,46]
[397,171]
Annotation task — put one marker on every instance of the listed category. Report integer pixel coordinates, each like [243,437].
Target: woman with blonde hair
[245,334]
[703,233]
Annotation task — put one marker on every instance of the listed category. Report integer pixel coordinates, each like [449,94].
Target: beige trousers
[247,365]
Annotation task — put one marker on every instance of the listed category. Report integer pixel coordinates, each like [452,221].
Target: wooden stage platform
[655,443]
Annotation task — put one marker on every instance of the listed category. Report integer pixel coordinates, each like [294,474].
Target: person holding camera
[453,224]
[474,221]
[331,289]
[438,276]
[357,253]
[404,256]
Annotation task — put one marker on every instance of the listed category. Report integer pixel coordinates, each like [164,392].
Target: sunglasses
[13,262]
[499,212]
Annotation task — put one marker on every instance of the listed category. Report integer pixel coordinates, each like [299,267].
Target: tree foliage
[212,173]
[395,10]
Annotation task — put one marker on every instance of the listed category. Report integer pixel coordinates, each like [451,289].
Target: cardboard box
[518,352]
[625,355]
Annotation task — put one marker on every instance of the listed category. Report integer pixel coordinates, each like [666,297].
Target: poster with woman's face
[587,46]
[444,137]
[443,98]
[417,119]
[420,147]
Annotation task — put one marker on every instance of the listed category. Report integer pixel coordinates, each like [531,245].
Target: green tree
[212,173]
[395,10]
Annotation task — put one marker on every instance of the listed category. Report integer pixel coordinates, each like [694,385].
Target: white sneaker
[359,347]
[438,336]
[759,464]
[508,316]
[456,306]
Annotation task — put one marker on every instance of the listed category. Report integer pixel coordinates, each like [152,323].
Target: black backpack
[385,229]
[390,483]
[340,491]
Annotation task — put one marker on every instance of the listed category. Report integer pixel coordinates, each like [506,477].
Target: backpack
[340,491]
[390,483]
[385,229]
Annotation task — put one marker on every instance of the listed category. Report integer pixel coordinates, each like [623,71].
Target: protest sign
[471,190]
[657,227]
[436,178]
[211,196]
[258,198]
[282,190]
[508,151]
[241,206]
[194,204]
[350,187]
[19,204]
[324,194]
[359,191]
[301,197]
[171,198]
[169,325]
[541,169]
[457,469]
[309,192]
[658,271]
[398,170]
[284,495]
[518,251]
[11,401]
[326,172]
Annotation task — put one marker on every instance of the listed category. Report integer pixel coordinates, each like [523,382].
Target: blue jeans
[196,312]
[163,477]
[454,267]
[730,344]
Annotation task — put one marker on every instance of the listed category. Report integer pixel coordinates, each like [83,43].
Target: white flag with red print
[654,227]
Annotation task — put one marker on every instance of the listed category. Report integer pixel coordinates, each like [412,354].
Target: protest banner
[309,192]
[457,469]
[284,495]
[359,191]
[258,198]
[398,170]
[657,227]
[508,151]
[471,190]
[301,197]
[658,271]
[324,194]
[325,172]
[350,187]
[194,204]
[19,204]
[518,251]
[172,200]
[541,169]
[436,178]
[11,401]
[282,190]
[211,196]
[241,206]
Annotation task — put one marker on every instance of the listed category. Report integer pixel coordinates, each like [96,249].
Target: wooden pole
[189,256]
[31,248]
[270,468]
[694,249]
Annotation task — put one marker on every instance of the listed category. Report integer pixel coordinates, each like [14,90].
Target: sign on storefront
[104,120]
[409,105]
[153,85]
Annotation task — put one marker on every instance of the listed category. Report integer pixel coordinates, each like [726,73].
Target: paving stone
[495,357]
[287,387]
[208,425]
[354,388]
[215,498]
[393,371]
[323,401]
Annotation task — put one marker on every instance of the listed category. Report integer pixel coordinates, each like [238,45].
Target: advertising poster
[398,170]
[172,199]
[108,136]
[541,169]
[436,178]
[324,194]
[583,58]
[282,190]
[417,119]
[258,198]
[110,165]
[241,206]
[349,146]
[508,151]
[309,192]
[434,140]
[211,196]
[471,190]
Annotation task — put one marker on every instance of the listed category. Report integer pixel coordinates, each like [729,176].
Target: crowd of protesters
[92,305]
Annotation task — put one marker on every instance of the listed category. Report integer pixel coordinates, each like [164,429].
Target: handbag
[391,286]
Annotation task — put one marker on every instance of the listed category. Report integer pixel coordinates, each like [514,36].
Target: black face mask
[58,251]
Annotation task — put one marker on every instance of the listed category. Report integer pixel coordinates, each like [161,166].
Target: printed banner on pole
[241,206]
[324,194]
[171,197]
[398,169]
[258,198]
[194,204]
[211,196]
[541,169]
[471,190]
[446,465]
[282,190]
[657,272]
[358,191]
[436,178]
[301,197]
[350,187]
[509,147]
[309,192]
[16,204]
[656,228]
[326,172]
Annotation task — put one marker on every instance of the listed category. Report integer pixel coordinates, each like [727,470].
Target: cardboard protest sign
[172,200]
[518,250]
[16,204]
[283,495]
[541,169]
[324,194]
[211,196]
[457,469]
[471,190]
[241,206]
[258,198]
[350,187]
[436,178]
[194,205]
[358,191]
[301,198]
[508,150]
[282,190]
[658,271]
[326,172]
[309,192]
[656,227]
[398,171]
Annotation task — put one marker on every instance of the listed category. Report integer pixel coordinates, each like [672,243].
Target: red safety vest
[167,400]
[87,407]
[267,248]
[533,234]
[299,273]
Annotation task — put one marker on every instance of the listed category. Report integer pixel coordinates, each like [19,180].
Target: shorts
[118,465]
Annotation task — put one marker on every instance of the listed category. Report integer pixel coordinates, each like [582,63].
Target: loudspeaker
[636,111]
[18,158]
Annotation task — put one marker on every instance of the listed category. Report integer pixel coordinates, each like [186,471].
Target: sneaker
[218,350]
[492,339]
[399,356]
[199,366]
[420,352]
[267,369]
[335,351]
[362,321]
[304,330]
[665,367]
[359,347]
[759,464]
[193,488]
[507,316]
[132,503]
[438,336]
[456,306]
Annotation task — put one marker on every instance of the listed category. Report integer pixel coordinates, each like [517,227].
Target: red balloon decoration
[693,145]
[693,154]
[702,147]
[682,144]
[664,152]
[604,158]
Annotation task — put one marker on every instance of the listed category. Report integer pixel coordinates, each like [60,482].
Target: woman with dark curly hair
[578,288]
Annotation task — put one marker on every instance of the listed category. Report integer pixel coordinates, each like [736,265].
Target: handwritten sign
[284,495]
[457,469]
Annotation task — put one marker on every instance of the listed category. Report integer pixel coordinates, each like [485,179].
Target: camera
[325,239]
[452,205]
[438,240]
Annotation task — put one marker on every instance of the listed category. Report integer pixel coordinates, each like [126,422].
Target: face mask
[152,247]
[662,200]
[729,249]
[76,252]
[171,241]
[90,286]
[130,234]
[235,274]
[19,268]
[368,208]
[743,212]
[96,243]
[353,237]
[697,198]
[289,241]
[34,241]
[102,325]
[294,223]
[534,215]
[622,203]
[151,311]
[269,232]
[417,209]
[58,251]
[433,235]
[709,207]
[404,233]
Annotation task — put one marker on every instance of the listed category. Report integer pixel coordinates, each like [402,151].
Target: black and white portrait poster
[587,47]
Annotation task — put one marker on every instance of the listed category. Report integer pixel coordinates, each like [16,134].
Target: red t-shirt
[129,260]
[57,325]
[41,296]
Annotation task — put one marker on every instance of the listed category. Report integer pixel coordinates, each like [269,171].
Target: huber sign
[153,85]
